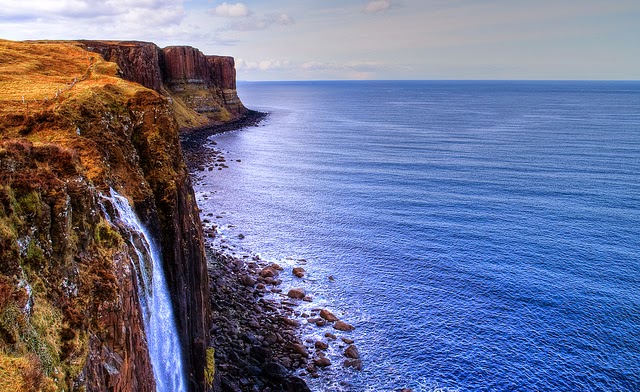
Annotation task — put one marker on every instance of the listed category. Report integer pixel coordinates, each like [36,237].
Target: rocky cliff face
[202,89]
[70,130]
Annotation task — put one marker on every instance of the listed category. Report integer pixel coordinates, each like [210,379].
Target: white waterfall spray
[159,321]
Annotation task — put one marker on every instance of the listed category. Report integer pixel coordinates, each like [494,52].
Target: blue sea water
[483,236]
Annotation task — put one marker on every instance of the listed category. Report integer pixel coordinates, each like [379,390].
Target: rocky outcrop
[202,89]
[69,308]
[138,61]
[224,76]
[205,84]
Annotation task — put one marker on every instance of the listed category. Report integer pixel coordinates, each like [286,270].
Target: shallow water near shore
[482,236]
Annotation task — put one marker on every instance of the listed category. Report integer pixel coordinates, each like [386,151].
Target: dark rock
[319,345]
[352,352]
[248,280]
[268,272]
[295,384]
[347,340]
[327,315]
[322,362]
[342,326]
[259,353]
[353,363]
[299,272]
[293,323]
[274,371]
[254,371]
[298,349]
[297,293]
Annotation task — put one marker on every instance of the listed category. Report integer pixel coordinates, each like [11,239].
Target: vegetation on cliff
[70,129]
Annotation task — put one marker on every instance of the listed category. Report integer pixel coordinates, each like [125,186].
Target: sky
[362,39]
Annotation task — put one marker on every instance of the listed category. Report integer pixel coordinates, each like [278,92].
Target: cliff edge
[200,88]
[73,130]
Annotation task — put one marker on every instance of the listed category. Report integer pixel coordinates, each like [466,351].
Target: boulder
[322,362]
[296,293]
[342,326]
[327,315]
[268,272]
[319,345]
[352,352]
[353,363]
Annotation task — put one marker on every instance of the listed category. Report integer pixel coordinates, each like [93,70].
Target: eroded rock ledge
[202,89]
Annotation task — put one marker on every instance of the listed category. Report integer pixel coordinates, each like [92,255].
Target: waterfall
[155,301]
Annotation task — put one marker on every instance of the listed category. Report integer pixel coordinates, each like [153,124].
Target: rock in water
[327,315]
[296,293]
[342,326]
[353,363]
[268,272]
[299,272]
[322,362]
[352,352]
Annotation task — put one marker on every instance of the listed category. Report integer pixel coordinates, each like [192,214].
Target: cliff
[72,129]
[201,89]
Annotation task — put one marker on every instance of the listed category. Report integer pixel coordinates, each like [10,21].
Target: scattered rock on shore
[299,272]
[342,326]
[353,363]
[352,352]
[347,340]
[268,272]
[322,362]
[296,293]
[327,315]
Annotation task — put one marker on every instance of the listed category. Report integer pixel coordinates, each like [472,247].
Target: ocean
[480,235]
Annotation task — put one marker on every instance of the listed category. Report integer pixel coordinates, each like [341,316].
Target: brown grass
[37,77]
[11,371]
[38,70]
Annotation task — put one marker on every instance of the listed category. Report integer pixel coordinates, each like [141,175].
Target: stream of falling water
[155,301]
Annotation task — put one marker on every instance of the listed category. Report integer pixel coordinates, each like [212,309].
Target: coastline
[257,344]
[259,334]
[193,139]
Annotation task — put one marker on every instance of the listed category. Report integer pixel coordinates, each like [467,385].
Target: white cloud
[284,19]
[262,65]
[261,23]
[227,10]
[377,5]
[361,66]
[82,9]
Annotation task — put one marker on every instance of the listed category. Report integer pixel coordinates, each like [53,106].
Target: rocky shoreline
[193,140]
[256,327]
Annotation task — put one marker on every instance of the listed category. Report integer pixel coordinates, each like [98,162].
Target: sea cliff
[79,120]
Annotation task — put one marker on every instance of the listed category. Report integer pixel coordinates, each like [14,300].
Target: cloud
[284,19]
[261,23]
[152,20]
[237,10]
[360,66]
[262,65]
[377,6]
[45,10]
